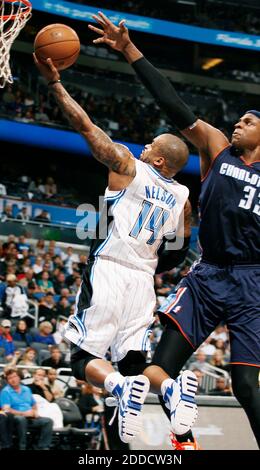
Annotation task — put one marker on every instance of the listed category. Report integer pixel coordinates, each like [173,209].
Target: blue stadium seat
[38,295]
[2,290]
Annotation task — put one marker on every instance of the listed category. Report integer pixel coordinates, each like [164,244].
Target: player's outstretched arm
[116,157]
[209,140]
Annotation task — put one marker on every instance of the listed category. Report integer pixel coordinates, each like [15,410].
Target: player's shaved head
[173,149]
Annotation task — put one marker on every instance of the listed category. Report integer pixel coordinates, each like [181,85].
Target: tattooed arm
[116,157]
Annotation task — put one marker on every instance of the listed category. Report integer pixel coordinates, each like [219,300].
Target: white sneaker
[129,401]
[179,399]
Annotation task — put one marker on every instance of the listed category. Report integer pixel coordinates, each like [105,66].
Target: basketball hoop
[13,16]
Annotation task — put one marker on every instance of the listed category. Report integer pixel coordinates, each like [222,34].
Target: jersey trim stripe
[145,338]
[245,364]
[116,200]
[116,196]
[167,180]
[178,296]
[248,164]
[180,328]
[203,178]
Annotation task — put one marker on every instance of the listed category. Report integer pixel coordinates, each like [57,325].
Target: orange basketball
[60,43]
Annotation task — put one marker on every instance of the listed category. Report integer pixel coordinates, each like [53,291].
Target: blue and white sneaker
[129,399]
[179,399]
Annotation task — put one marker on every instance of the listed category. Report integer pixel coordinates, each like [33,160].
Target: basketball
[60,43]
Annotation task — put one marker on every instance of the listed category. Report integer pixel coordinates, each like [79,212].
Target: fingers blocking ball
[60,43]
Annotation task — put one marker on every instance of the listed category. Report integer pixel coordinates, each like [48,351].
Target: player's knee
[79,362]
[133,363]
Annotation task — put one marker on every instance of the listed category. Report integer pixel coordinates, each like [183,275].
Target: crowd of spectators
[208,14]
[129,118]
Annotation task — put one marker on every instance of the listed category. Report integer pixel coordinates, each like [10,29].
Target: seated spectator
[200,361]
[55,361]
[45,336]
[32,289]
[39,387]
[38,265]
[58,337]
[60,328]
[220,345]
[43,216]
[217,360]
[199,374]
[55,388]
[28,279]
[69,259]
[22,334]
[222,388]
[11,291]
[60,283]
[23,244]
[6,431]
[52,246]
[45,285]
[82,263]
[40,247]
[23,214]
[6,340]
[70,280]
[47,309]
[219,333]
[17,400]
[58,263]
[207,347]
[75,286]
[50,187]
[7,213]
[63,307]
[24,268]
[37,187]
[86,402]
[65,292]
[48,260]
[28,359]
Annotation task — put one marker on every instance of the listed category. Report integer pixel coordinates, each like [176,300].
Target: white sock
[112,380]
[166,383]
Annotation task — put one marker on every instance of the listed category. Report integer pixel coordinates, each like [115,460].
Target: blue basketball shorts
[211,294]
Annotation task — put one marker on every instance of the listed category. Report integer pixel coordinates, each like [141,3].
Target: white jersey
[141,216]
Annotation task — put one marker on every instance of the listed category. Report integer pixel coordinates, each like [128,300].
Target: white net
[13,16]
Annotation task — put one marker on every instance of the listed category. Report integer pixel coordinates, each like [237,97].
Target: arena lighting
[187,2]
[209,63]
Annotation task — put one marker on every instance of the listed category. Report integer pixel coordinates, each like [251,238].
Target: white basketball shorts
[118,314]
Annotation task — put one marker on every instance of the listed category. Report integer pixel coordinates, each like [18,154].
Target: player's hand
[47,69]
[117,37]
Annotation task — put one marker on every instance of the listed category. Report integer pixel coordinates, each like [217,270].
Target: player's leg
[135,363]
[191,313]
[245,384]
[173,345]
[131,342]
[244,326]
[129,392]
[92,331]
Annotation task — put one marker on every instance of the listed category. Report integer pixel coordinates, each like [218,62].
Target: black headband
[254,112]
